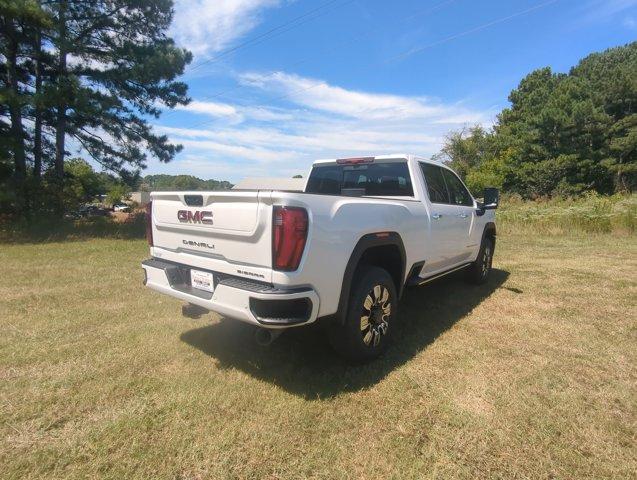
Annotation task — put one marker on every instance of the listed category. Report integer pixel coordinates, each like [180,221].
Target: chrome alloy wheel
[376,312]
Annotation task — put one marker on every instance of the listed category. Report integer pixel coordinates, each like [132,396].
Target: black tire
[361,338]
[478,272]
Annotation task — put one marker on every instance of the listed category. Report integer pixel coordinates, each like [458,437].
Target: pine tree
[89,76]
[122,70]
[17,20]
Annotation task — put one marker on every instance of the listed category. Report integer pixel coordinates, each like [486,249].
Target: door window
[458,194]
[436,186]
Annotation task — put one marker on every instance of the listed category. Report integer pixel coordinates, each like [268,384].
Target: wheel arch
[489,232]
[383,249]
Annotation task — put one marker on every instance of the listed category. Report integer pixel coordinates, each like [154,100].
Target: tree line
[563,134]
[84,185]
[83,76]
[181,182]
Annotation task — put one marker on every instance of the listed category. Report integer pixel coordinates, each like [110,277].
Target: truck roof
[391,157]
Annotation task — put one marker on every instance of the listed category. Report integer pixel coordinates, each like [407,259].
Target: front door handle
[436,216]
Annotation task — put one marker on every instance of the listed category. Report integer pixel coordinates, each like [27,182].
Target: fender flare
[366,242]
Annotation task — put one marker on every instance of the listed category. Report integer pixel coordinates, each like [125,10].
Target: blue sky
[278,83]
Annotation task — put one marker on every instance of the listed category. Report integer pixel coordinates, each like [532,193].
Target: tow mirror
[491,198]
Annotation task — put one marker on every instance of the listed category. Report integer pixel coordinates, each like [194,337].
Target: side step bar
[415,280]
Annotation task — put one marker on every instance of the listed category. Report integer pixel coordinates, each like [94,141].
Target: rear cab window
[383,179]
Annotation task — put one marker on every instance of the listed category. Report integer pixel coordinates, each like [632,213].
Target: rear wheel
[479,270]
[369,325]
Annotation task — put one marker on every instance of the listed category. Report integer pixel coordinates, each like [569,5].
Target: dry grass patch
[530,376]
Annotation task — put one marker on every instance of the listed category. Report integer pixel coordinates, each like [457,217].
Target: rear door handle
[436,216]
[463,215]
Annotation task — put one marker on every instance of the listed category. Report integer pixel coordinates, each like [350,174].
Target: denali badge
[192,243]
[195,217]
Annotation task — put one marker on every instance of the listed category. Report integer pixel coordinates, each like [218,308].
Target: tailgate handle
[193,200]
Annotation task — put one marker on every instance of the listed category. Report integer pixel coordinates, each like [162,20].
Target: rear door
[444,221]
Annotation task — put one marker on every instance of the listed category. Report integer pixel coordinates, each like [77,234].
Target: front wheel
[478,272]
[369,325]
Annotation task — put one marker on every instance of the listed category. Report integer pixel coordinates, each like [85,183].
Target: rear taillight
[289,232]
[149,223]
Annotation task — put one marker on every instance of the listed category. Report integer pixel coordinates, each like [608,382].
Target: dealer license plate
[202,280]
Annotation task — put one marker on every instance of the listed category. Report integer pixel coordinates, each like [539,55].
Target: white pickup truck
[341,251]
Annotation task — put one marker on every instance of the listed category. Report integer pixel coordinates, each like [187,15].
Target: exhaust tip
[265,336]
[190,310]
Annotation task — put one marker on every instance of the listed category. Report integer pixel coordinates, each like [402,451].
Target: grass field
[558,216]
[531,376]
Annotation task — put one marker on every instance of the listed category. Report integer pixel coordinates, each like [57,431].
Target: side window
[435,183]
[457,191]
[325,180]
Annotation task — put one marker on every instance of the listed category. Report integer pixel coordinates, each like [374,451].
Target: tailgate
[223,231]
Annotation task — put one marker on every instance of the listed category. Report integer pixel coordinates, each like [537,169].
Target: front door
[462,199]
[445,224]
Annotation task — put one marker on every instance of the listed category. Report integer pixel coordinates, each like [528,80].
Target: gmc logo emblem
[197,216]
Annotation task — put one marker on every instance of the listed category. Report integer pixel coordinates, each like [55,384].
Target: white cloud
[314,140]
[235,114]
[319,95]
[210,108]
[323,121]
[255,154]
[208,26]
